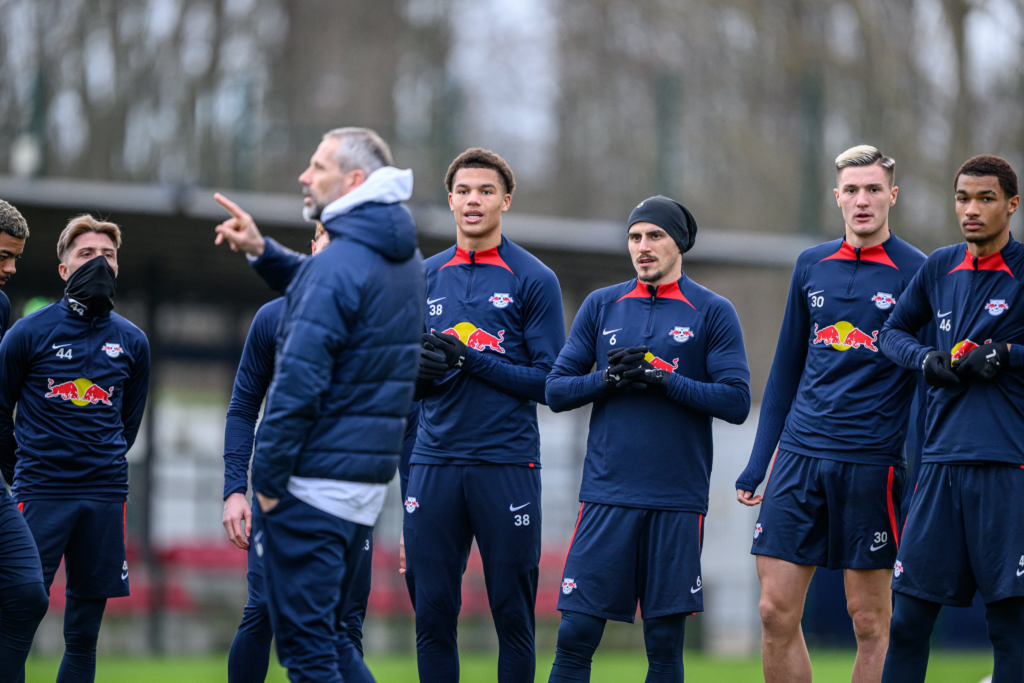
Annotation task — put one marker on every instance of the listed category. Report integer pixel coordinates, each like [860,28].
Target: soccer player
[838,410]
[23,600]
[965,531]
[336,412]
[669,357]
[494,328]
[79,374]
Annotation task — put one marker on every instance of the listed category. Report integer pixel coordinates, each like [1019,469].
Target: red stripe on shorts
[578,518]
[892,510]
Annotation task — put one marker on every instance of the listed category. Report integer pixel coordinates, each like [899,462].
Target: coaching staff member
[344,375]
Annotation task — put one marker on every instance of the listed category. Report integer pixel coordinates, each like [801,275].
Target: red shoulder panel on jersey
[875,254]
[991,262]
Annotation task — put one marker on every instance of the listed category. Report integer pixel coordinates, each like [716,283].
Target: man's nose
[305,178]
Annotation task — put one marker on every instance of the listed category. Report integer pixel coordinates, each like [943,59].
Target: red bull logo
[568,585]
[476,338]
[965,347]
[81,392]
[996,306]
[884,300]
[897,569]
[660,364]
[411,504]
[843,336]
[758,531]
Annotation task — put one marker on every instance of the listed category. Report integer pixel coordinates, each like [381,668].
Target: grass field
[611,667]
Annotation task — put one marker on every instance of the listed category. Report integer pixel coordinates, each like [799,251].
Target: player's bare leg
[869,601]
[783,592]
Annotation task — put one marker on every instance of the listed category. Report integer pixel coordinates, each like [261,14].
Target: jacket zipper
[472,269]
[974,278]
[856,266]
[650,317]
[88,356]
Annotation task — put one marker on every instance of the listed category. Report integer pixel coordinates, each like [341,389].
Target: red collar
[487,257]
[875,254]
[991,262]
[669,291]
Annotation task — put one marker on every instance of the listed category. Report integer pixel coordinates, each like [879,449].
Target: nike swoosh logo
[513,509]
[697,589]
[434,301]
[124,576]
[874,547]
[1020,572]
[60,346]
[607,332]
[943,315]
[818,292]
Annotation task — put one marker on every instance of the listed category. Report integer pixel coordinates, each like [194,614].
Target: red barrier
[388,597]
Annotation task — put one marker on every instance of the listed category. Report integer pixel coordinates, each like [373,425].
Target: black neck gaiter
[90,289]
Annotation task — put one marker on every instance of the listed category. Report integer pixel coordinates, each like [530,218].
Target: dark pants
[249,658]
[311,559]
[446,507]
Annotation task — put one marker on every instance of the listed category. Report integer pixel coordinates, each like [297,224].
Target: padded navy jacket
[347,354]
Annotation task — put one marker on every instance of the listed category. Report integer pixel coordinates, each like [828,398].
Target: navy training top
[255,371]
[647,449]
[80,388]
[506,306]
[973,301]
[831,392]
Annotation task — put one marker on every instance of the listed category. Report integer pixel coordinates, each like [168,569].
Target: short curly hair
[989,165]
[12,222]
[475,157]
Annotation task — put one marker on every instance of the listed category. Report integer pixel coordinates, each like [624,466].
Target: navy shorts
[619,556]
[355,611]
[19,559]
[828,513]
[89,535]
[964,533]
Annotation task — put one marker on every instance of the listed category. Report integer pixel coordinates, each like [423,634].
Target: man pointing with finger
[344,371]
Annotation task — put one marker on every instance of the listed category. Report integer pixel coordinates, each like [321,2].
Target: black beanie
[670,216]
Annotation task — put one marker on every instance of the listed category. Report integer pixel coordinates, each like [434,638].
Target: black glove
[624,367]
[937,370]
[984,362]
[454,350]
[432,365]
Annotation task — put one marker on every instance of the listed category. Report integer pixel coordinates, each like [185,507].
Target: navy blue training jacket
[646,449]
[972,301]
[831,392]
[347,355]
[506,306]
[255,370]
[80,386]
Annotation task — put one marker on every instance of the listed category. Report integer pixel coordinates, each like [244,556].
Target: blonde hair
[79,225]
[866,155]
